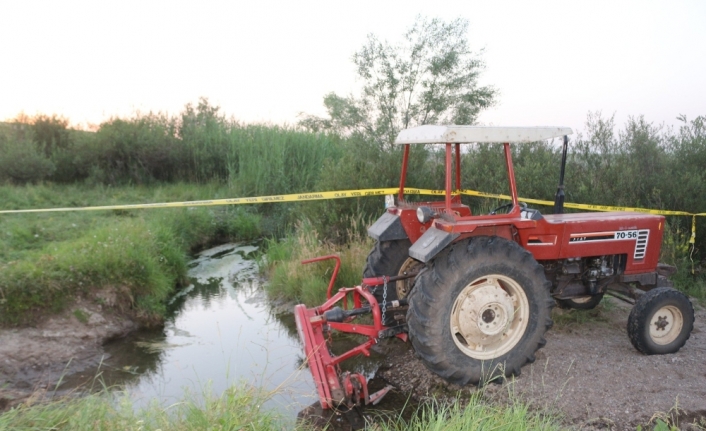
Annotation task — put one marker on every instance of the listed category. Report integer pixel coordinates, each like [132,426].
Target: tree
[431,77]
[51,133]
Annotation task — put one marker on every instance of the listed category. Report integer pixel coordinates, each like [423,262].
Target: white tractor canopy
[468,134]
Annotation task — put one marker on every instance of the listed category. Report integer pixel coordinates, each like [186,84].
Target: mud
[588,374]
[395,404]
[34,359]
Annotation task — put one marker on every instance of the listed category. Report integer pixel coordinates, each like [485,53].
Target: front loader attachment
[316,324]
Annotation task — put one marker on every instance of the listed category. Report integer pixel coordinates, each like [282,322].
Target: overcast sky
[266,61]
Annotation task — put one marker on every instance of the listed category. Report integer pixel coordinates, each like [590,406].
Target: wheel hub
[666,325]
[404,286]
[661,323]
[489,317]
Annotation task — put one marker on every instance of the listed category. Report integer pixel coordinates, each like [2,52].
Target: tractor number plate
[605,236]
[626,234]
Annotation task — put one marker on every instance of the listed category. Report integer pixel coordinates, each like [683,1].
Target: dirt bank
[33,359]
[588,373]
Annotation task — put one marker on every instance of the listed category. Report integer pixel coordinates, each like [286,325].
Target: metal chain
[329,343]
[384,299]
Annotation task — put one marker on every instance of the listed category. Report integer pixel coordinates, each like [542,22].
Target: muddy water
[222,331]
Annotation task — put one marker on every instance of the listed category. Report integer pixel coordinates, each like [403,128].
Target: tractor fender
[431,243]
[387,228]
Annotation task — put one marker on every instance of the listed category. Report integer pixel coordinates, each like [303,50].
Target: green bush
[21,161]
[292,280]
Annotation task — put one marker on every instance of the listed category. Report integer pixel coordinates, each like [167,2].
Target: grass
[676,250]
[290,279]
[81,315]
[565,318]
[474,414]
[46,260]
[240,407]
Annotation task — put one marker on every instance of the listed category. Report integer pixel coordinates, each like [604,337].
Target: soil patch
[33,359]
[588,373]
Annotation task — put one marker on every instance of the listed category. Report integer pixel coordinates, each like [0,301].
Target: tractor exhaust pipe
[559,198]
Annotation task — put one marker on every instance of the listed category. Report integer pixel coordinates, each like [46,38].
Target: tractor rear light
[443,226]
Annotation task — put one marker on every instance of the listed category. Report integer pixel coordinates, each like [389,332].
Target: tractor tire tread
[431,291]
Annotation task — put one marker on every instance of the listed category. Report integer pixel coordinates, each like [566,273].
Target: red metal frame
[403,174]
[511,174]
[548,238]
[458,171]
[335,270]
[334,389]
[448,179]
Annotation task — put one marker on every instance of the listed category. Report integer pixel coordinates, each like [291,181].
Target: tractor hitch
[315,325]
[337,314]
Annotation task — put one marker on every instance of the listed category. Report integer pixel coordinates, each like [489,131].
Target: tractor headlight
[424,214]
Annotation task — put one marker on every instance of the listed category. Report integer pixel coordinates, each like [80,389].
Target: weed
[290,279]
[81,315]
[239,407]
[473,413]
[567,318]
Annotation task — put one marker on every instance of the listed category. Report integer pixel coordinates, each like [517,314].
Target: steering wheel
[507,206]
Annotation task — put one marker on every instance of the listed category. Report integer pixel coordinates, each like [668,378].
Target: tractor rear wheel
[581,303]
[661,321]
[392,258]
[479,310]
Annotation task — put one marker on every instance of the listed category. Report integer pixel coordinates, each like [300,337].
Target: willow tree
[430,77]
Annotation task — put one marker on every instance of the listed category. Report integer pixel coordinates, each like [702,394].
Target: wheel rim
[403,287]
[489,316]
[666,324]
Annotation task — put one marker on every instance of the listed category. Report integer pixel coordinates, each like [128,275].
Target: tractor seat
[530,214]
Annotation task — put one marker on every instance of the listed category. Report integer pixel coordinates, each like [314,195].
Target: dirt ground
[33,359]
[588,373]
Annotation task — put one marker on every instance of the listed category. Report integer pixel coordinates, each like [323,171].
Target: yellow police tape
[233,201]
[300,197]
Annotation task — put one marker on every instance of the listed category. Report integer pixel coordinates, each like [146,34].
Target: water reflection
[220,331]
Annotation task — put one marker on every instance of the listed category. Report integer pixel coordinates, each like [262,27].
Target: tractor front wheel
[479,310]
[661,321]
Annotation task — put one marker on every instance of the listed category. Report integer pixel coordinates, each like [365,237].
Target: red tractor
[474,293]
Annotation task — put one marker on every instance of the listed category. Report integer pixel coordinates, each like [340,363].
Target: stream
[222,331]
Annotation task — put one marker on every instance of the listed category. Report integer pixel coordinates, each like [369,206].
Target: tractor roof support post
[458,171]
[403,175]
[559,198]
[511,174]
[448,178]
